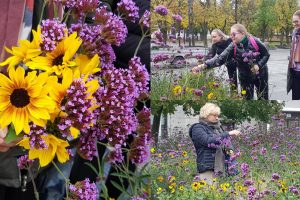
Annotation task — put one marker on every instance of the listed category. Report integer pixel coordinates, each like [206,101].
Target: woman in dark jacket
[293,79]
[251,56]
[207,136]
[219,43]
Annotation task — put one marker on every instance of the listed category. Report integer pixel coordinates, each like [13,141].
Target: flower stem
[43,9]
[140,42]
[36,193]
[67,180]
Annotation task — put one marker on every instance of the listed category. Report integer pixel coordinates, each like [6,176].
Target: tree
[284,12]
[265,18]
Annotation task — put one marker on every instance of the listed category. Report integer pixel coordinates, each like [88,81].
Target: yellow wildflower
[160,178]
[159,190]
[177,90]
[244,92]
[184,154]
[196,186]
[152,150]
[210,95]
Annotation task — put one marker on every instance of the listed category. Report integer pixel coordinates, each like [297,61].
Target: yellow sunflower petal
[24,143]
[6,116]
[74,132]
[39,113]
[18,120]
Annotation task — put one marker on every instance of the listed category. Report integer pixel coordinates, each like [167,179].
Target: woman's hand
[234,133]
[4,147]
[255,69]
[198,68]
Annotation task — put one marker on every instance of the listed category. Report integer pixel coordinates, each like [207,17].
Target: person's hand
[4,146]
[198,68]
[255,69]
[234,133]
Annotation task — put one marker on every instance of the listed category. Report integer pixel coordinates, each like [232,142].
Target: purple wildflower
[245,169]
[52,32]
[275,176]
[35,137]
[251,192]
[162,10]
[160,58]
[145,20]
[24,162]
[139,74]
[83,190]
[78,110]
[177,18]
[129,9]
[140,147]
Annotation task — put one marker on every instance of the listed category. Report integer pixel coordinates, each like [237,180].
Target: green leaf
[11,135]
[92,167]
[122,176]
[116,185]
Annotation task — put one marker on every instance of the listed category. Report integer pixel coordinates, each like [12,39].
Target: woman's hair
[207,109]
[240,28]
[297,13]
[220,33]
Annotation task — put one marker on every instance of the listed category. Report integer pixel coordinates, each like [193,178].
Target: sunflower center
[58,60]
[20,98]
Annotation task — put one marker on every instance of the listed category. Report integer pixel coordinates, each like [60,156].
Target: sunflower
[25,52]
[24,99]
[55,146]
[60,58]
[87,66]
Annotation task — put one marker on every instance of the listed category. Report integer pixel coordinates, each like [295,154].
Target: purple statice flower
[263,151]
[275,176]
[203,88]
[145,20]
[282,158]
[86,6]
[294,190]
[139,74]
[140,147]
[251,192]
[177,18]
[160,58]
[113,30]
[52,32]
[93,43]
[197,92]
[159,36]
[35,137]
[128,9]
[77,107]
[161,10]
[24,162]
[88,144]
[83,190]
[248,183]
[245,169]
[116,99]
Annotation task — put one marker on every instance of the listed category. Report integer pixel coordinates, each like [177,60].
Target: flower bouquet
[62,87]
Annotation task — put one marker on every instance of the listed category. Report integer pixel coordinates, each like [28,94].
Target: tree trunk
[287,37]
[281,38]
[164,127]
[156,125]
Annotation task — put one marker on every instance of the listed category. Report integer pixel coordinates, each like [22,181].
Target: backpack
[253,43]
